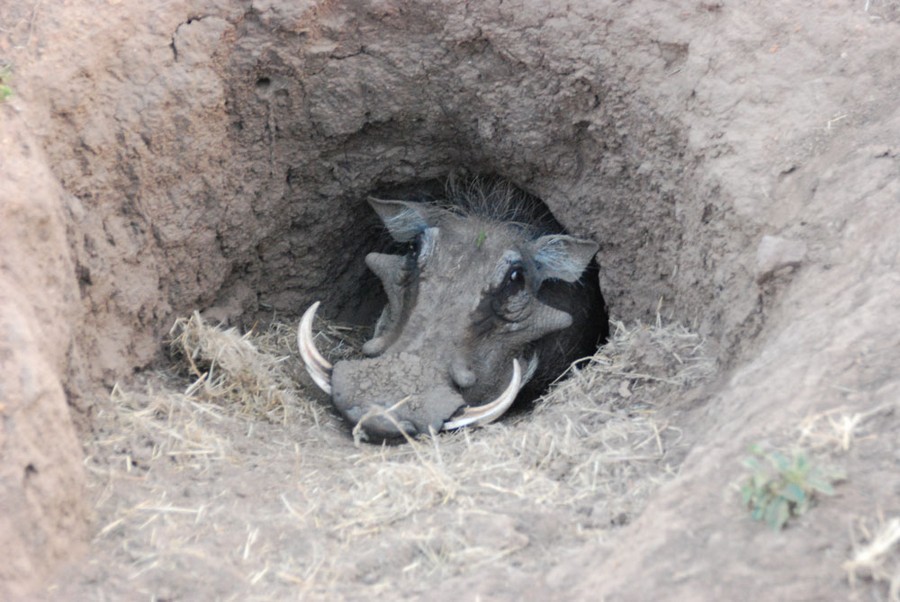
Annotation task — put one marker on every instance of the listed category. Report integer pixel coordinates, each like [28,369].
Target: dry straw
[246,372]
[323,517]
[878,556]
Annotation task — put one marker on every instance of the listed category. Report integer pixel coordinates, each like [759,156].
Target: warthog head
[473,309]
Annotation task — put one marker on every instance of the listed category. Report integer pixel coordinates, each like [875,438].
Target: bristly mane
[498,200]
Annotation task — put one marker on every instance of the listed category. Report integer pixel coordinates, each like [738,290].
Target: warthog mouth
[320,370]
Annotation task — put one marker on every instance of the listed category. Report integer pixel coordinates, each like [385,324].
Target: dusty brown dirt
[738,164]
[223,495]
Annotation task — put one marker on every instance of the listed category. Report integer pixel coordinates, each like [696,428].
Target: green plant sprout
[5,89]
[782,486]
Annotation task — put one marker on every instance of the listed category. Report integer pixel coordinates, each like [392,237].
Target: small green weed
[781,486]
[5,89]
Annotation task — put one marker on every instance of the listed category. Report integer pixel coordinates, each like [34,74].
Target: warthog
[491,299]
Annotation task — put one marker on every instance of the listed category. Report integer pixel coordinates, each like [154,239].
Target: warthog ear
[561,256]
[403,219]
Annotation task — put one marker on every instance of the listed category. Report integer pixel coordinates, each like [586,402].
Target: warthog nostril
[381,426]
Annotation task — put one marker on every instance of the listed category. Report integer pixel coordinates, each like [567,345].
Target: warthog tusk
[318,367]
[485,414]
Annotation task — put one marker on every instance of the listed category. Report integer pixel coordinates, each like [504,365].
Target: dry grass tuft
[877,558]
[177,426]
[335,341]
[242,372]
[837,429]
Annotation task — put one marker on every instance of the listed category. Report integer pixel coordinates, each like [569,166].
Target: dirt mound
[738,167]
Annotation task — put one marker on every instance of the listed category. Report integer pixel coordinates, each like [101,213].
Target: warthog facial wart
[490,300]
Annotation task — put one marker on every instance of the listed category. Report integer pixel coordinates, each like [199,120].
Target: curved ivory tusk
[485,414]
[318,367]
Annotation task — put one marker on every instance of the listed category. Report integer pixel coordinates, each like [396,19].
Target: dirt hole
[311,133]
[231,181]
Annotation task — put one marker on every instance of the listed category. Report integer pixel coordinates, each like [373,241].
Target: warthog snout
[365,391]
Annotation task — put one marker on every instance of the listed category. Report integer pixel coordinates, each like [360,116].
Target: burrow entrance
[231,174]
[314,123]
[239,186]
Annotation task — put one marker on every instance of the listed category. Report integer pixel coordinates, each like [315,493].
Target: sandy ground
[225,494]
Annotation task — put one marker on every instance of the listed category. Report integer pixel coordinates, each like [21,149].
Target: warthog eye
[509,301]
[514,281]
[414,255]
[421,247]
[414,247]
